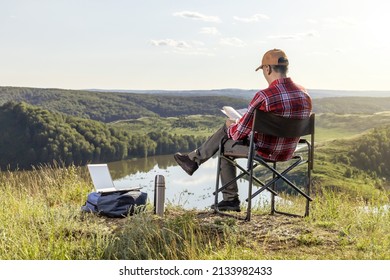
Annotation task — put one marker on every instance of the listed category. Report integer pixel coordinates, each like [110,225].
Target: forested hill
[111,106]
[371,152]
[31,136]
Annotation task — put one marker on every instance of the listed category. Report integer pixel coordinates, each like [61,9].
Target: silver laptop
[101,178]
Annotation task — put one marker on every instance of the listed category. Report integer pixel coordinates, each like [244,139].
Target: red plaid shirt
[284,98]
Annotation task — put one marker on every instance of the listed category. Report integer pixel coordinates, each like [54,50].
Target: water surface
[190,192]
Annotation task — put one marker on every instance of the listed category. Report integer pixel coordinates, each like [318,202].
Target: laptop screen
[101,177]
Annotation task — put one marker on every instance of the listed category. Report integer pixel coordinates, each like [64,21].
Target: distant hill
[108,106]
[351,105]
[249,93]
[113,106]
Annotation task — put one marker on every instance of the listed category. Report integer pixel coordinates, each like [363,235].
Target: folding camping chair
[271,124]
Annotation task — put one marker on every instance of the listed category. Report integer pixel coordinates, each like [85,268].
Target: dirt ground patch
[274,232]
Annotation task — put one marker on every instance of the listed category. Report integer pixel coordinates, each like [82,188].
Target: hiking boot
[232,205]
[188,165]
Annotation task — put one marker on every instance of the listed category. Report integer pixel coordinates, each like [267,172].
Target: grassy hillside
[352,105]
[332,126]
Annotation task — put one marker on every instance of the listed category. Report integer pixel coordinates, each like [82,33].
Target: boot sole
[227,208]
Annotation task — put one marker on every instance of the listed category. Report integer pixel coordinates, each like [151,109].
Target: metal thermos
[159,195]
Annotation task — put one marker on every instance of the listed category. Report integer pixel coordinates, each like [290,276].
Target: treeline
[113,106]
[32,136]
[372,152]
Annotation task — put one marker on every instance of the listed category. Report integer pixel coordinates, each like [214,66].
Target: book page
[232,113]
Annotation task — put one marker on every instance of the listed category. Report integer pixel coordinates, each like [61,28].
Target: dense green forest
[32,136]
[372,152]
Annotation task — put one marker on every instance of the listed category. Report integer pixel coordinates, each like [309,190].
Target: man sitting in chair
[283,97]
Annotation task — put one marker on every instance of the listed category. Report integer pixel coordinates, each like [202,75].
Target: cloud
[296,36]
[232,41]
[312,33]
[209,30]
[170,43]
[197,16]
[254,18]
[183,47]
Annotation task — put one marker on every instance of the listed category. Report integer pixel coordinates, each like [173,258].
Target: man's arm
[241,129]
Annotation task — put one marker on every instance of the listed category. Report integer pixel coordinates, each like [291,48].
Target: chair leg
[308,188]
[307,195]
[272,195]
[249,206]
[218,189]
[217,181]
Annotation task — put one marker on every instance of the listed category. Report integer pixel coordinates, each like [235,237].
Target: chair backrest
[271,124]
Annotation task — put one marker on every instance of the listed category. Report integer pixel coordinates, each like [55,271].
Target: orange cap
[273,57]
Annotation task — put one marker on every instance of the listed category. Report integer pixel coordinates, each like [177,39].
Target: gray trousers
[228,170]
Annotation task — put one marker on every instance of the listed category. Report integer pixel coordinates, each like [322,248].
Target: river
[189,192]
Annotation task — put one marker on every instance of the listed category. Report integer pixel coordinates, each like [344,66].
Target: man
[283,97]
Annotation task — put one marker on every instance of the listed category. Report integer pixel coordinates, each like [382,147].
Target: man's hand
[229,122]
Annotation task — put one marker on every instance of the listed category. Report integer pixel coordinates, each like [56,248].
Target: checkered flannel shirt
[284,98]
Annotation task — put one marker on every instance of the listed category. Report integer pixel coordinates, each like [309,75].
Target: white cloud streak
[254,18]
[183,47]
[209,31]
[170,43]
[297,36]
[232,41]
[197,16]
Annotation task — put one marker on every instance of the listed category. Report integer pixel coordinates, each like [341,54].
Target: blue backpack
[115,204]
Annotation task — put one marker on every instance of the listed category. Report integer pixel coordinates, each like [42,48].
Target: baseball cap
[273,57]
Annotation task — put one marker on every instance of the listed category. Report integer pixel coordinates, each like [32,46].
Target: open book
[232,113]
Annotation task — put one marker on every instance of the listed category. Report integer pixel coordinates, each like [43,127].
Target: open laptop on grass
[101,178]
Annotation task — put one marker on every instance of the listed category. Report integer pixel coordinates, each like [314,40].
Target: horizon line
[178,90]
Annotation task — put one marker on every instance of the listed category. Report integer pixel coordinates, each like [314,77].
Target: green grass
[191,125]
[333,126]
[40,218]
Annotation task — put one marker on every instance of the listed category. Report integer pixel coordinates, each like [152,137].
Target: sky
[192,44]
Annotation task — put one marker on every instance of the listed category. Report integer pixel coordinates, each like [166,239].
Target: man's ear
[269,70]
